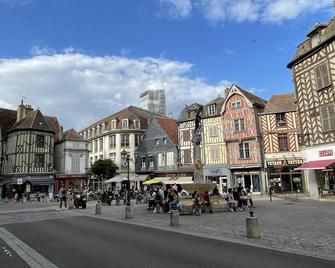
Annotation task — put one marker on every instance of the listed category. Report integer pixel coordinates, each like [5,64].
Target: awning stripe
[319,164]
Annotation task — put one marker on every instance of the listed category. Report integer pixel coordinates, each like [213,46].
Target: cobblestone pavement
[303,226]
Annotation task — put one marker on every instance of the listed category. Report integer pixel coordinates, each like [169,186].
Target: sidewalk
[305,226]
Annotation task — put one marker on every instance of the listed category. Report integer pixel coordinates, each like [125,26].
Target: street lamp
[126,157]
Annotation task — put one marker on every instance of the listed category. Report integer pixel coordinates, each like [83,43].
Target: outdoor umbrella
[152,181]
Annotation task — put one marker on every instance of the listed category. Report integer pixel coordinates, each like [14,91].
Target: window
[137,139]
[239,125]
[125,123]
[156,141]
[151,161]
[322,75]
[75,163]
[169,159]
[244,150]
[164,140]
[283,142]
[112,141]
[137,124]
[281,120]
[39,160]
[328,117]
[95,146]
[161,159]
[124,140]
[236,105]
[215,153]
[143,162]
[90,146]
[91,160]
[211,109]
[112,156]
[186,135]
[101,156]
[187,156]
[213,131]
[40,141]
[103,127]
[113,124]
[98,130]
[101,144]
[96,157]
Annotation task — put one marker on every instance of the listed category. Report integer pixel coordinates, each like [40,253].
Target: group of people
[163,201]
[238,198]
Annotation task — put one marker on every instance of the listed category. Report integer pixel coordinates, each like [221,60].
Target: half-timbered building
[242,136]
[214,154]
[279,131]
[28,162]
[313,70]
[186,125]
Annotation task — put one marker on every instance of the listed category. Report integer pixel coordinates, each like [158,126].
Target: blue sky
[81,60]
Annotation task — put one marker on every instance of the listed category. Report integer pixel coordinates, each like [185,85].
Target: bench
[219,204]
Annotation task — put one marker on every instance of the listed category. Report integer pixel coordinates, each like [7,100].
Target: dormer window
[137,124]
[40,124]
[103,127]
[113,124]
[281,120]
[315,39]
[211,109]
[125,123]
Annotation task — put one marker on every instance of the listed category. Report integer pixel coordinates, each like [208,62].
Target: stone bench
[219,204]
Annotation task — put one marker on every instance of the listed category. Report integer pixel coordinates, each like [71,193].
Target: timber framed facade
[313,71]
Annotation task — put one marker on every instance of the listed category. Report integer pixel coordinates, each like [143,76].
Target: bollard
[129,212]
[6,199]
[70,203]
[253,230]
[98,208]
[174,218]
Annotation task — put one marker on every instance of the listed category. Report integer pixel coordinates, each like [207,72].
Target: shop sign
[214,171]
[326,153]
[284,162]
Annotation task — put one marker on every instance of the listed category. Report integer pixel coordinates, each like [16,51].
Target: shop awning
[179,180]
[142,177]
[152,181]
[319,164]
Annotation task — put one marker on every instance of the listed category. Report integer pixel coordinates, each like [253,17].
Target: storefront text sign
[325,153]
[285,162]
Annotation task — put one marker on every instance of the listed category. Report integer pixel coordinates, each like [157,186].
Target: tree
[104,169]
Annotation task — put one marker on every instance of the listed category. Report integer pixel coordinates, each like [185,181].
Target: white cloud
[274,11]
[13,3]
[229,52]
[80,89]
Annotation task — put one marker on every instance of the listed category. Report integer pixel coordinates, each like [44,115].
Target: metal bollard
[98,208]
[129,212]
[174,218]
[253,230]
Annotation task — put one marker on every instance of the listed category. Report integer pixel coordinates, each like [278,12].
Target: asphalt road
[91,242]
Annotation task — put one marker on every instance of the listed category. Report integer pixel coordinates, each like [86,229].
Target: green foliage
[104,169]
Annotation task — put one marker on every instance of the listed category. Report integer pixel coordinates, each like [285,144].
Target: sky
[82,60]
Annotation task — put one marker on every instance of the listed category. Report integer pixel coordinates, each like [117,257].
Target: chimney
[27,110]
[20,111]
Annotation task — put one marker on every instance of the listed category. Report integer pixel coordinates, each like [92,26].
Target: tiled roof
[7,119]
[253,98]
[281,103]
[170,127]
[34,120]
[72,134]
[130,113]
[54,125]
[188,113]
[218,102]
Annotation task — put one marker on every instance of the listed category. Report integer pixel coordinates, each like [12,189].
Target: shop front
[248,177]
[319,170]
[75,182]
[218,174]
[283,176]
[29,187]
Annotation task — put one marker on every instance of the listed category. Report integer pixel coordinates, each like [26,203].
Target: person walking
[62,196]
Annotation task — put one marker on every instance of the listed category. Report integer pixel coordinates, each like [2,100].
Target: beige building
[214,154]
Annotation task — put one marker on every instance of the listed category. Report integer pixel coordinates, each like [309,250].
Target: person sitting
[244,199]
[231,201]
[207,202]
[175,200]
[196,204]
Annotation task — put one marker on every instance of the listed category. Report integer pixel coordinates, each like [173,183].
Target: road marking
[28,254]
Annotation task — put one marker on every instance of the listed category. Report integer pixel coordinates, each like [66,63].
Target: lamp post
[126,157]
